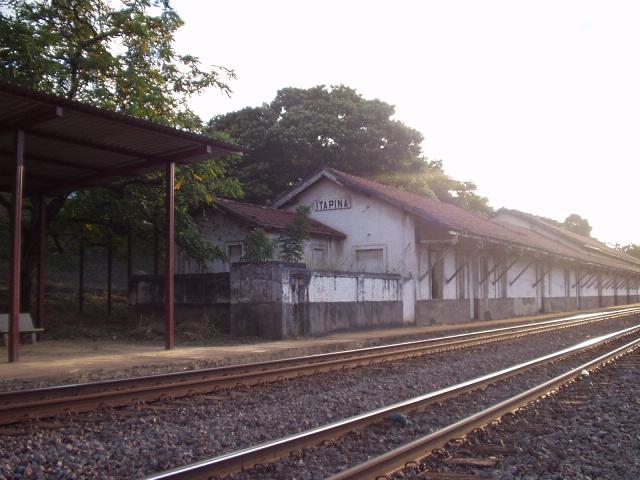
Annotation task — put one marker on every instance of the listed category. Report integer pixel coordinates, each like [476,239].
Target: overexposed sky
[538,103]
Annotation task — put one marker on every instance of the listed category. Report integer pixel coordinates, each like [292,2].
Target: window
[318,256]
[235,251]
[370,260]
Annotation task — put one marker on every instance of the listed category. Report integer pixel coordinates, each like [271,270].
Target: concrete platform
[78,360]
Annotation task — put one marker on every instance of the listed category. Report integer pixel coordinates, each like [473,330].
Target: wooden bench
[26,326]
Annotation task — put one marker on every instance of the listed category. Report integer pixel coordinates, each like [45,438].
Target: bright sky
[536,102]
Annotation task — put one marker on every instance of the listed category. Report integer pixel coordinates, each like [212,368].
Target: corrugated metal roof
[271,219]
[70,145]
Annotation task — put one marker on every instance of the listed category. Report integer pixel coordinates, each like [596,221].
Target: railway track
[23,405]
[397,459]
[410,454]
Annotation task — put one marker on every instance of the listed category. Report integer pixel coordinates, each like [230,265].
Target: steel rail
[24,404]
[394,460]
[273,450]
[38,403]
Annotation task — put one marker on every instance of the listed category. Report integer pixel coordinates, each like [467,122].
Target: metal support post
[169,334]
[16,246]
[109,272]
[42,250]
[81,277]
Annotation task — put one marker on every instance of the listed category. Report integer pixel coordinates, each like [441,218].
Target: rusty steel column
[16,245]
[42,249]
[109,272]
[129,254]
[81,277]
[169,334]
[155,248]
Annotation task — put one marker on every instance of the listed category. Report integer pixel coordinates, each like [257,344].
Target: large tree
[302,130]
[577,224]
[121,56]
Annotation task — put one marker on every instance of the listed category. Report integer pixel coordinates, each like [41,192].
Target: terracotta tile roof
[271,219]
[462,221]
[593,245]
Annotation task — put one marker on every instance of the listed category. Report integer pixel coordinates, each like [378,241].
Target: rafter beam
[130,169]
[538,280]
[438,260]
[29,121]
[504,272]
[55,161]
[464,264]
[83,142]
[495,267]
[579,280]
[521,273]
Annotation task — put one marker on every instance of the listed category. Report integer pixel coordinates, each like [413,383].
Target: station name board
[332,204]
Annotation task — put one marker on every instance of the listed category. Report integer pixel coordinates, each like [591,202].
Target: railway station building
[457,266]
[379,256]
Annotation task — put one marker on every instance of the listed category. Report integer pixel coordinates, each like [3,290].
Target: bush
[293,240]
[259,247]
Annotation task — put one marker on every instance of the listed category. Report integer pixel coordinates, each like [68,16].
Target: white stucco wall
[523,286]
[328,287]
[556,280]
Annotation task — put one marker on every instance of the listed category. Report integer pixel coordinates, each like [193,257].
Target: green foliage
[259,248]
[293,240]
[429,179]
[117,55]
[577,224]
[631,249]
[303,130]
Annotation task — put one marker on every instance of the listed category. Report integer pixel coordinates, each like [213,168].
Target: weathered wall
[560,304]
[495,308]
[257,303]
[350,301]
[222,230]
[430,312]
[280,300]
[197,296]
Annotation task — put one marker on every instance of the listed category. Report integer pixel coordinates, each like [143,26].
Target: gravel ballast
[130,444]
[588,430]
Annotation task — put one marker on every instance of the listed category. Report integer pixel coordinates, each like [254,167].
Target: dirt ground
[85,359]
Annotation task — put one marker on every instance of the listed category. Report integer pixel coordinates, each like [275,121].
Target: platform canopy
[51,145]
[70,145]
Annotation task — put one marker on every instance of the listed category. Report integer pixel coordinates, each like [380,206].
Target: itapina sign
[332,204]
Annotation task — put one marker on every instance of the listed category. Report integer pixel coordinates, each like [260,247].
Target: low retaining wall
[430,312]
[560,304]
[589,302]
[197,296]
[495,308]
[281,300]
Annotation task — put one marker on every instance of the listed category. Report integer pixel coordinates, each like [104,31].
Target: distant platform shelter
[50,145]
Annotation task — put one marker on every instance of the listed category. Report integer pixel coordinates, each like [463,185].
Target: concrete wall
[350,301]
[197,296]
[495,308]
[430,312]
[280,300]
